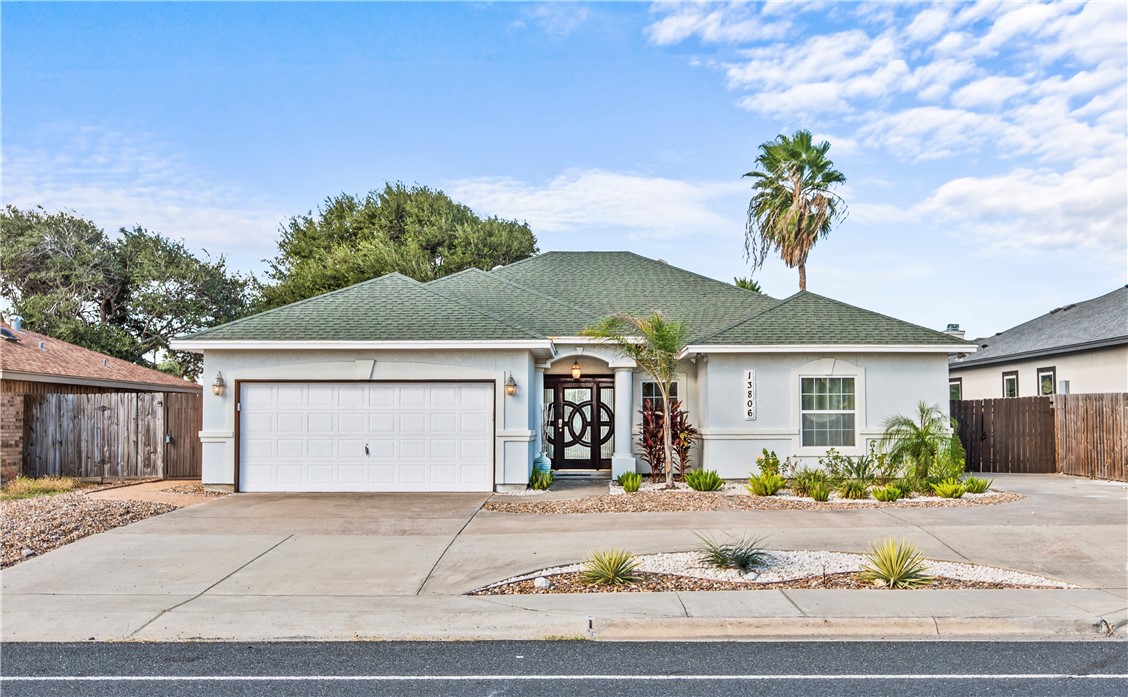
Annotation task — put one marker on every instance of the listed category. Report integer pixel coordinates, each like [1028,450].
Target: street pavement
[256,567]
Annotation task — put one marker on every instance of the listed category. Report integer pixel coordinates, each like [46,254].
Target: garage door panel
[312,437]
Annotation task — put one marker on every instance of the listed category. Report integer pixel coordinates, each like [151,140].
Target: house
[33,364]
[396,385]
[1081,347]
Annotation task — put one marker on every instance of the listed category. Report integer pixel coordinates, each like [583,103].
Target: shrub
[978,485]
[540,480]
[819,491]
[921,440]
[884,467]
[741,554]
[910,485]
[887,493]
[29,487]
[834,464]
[805,478]
[854,489]
[682,436]
[768,463]
[950,489]
[704,480]
[650,439]
[630,481]
[766,484]
[895,564]
[615,567]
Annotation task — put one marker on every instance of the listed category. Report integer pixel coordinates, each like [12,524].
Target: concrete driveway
[342,566]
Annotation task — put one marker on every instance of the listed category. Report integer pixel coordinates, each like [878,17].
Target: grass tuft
[978,485]
[630,481]
[887,493]
[740,554]
[819,491]
[704,480]
[949,489]
[28,487]
[540,480]
[767,484]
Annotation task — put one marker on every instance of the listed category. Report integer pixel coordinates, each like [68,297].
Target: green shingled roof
[523,306]
[389,308]
[608,282]
[807,318]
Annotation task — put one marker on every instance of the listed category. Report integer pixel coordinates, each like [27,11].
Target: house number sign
[750,395]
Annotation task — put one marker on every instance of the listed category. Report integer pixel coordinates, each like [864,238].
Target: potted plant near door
[541,463]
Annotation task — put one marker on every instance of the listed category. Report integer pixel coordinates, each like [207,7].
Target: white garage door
[366,436]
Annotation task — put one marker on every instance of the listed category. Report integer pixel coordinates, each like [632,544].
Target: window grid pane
[835,398]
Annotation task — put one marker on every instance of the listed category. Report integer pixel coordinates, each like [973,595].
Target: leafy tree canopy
[417,231]
[125,297]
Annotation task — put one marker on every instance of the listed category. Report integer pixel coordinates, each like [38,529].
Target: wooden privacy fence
[1084,435]
[135,434]
[1092,435]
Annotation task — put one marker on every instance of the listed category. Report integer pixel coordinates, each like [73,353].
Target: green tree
[793,204]
[747,284]
[654,344]
[126,297]
[416,231]
[921,441]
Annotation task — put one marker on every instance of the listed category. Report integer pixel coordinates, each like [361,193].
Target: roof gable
[389,308]
[810,319]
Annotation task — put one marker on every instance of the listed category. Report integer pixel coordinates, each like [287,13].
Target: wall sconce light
[218,385]
[510,385]
[576,370]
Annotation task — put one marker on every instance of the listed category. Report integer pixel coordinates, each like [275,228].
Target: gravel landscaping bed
[683,571]
[194,489]
[34,526]
[685,499]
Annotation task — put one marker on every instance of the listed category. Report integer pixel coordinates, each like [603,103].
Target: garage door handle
[366,449]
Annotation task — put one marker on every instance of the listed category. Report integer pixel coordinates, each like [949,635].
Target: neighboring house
[1078,348]
[32,363]
[396,385]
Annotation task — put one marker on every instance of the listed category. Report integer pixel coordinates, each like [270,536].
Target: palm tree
[792,203]
[654,344]
[747,284]
[919,441]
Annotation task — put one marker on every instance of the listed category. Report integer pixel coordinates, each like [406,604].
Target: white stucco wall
[513,415]
[1099,370]
[886,384]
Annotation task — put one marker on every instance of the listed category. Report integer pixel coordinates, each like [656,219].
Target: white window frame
[853,412]
[1009,375]
[955,382]
[1050,370]
[643,397]
[826,368]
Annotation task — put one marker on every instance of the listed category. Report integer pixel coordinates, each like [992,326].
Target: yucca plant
[630,481]
[854,489]
[767,484]
[978,485]
[819,491]
[887,493]
[614,567]
[949,489]
[540,480]
[895,565]
[704,480]
[740,554]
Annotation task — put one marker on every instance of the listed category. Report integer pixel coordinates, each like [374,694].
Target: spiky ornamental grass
[630,481]
[949,489]
[612,567]
[540,480]
[740,554]
[854,489]
[887,493]
[978,485]
[895,565]
[767,484]
[819,491]
[703,480]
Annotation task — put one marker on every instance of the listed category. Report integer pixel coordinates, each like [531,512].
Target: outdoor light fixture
[218,385]
[576,371]
[510,385]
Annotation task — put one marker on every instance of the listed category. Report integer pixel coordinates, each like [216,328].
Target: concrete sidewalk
[340,567]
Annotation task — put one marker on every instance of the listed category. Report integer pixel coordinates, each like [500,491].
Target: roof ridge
[884,316]
[479,310]
[527,289]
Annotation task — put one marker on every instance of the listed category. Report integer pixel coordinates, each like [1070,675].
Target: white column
[538,405]
[623,460]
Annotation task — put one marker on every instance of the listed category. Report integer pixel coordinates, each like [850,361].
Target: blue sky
[984,144]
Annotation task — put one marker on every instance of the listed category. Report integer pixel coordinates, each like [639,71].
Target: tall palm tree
[792,204]
[654,344]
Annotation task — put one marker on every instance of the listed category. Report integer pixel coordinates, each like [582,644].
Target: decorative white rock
[542,583]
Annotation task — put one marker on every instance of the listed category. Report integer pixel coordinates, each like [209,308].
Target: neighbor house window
[827,410]
[1047,379]
[955,388]
[652,396]
[1010,384]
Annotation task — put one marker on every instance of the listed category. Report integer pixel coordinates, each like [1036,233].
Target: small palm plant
[614,567]
[922,441]
[895,565]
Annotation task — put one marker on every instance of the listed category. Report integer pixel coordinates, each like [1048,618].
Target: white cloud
[575,200]
[991,91]
[724,23]
[928,24]
[124,181]
[557,20]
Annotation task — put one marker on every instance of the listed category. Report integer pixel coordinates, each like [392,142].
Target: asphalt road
[1089,668]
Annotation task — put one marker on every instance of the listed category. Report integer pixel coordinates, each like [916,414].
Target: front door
[581,422]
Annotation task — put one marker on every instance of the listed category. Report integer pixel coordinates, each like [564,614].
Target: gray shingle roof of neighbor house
[1101,321]
[388,308]
[557,294]
[809,319]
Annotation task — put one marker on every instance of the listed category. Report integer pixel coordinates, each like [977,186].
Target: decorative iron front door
[581,423]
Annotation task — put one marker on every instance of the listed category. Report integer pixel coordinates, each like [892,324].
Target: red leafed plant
[650,438]
[683,435]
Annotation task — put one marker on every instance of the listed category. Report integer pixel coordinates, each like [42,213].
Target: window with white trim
[652,395]
[1010,384]
[955,388]
[827,411]
[1047,380]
